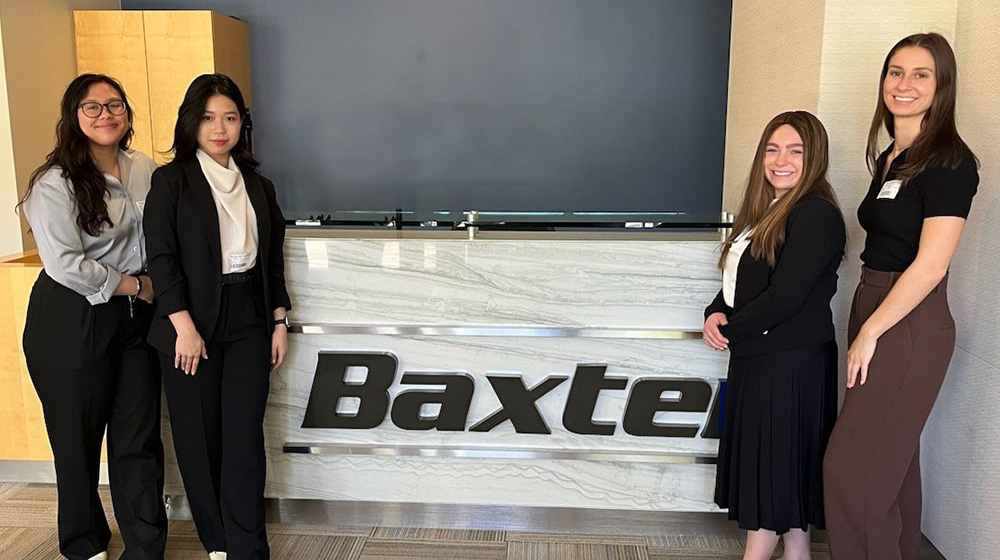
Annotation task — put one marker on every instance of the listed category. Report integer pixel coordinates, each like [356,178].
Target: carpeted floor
[28,521]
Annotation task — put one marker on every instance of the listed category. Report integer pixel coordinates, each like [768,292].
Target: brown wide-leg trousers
[871,472]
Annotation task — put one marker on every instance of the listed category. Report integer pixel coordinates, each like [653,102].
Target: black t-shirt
[894,224]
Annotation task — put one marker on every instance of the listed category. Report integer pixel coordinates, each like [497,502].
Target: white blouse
[732,265]
[237,219]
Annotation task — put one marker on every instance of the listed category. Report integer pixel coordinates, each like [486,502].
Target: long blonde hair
[756,211]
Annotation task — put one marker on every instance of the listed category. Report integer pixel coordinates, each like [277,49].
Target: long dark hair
[192,109]
[756,211]
[938,142]
[72,155]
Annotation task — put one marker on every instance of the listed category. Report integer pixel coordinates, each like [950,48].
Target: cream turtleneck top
[237,219]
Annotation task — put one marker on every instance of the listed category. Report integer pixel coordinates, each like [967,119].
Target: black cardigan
[181,226]
[788,306]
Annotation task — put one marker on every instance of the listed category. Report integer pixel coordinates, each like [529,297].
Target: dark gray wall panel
[487,104]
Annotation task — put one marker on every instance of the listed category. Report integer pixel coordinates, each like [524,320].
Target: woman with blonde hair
[779,268]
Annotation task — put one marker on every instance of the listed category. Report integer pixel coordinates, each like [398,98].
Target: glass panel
[508,221]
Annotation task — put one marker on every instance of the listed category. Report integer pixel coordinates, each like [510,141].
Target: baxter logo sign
[517,401]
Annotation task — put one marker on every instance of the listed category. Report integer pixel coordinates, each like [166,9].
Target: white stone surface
[562,283]
[535,359]
[643,284]
[585,484]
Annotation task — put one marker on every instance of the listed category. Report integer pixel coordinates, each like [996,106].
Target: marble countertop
[306,232]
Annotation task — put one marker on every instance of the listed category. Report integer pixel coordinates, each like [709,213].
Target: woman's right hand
[710,332]
[189,349]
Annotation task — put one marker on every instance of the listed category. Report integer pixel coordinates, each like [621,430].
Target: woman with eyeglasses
[87,322]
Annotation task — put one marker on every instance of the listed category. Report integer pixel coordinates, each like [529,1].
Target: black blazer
[788,306]
[181,226]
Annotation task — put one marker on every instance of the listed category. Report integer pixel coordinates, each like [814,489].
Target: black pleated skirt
[778,414]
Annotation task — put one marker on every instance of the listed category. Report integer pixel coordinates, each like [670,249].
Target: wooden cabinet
[22,427]
[155,55]
[113,43]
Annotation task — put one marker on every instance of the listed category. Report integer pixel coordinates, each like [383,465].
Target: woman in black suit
[214,233]
[773,314]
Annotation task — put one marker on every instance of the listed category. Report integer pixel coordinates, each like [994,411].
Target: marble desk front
[535,309]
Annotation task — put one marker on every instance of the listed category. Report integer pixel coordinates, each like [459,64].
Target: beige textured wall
[771,69]
[39,60]
[960,451]
[10,229]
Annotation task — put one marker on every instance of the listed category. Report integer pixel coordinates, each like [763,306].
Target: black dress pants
[216,417]
[93,370]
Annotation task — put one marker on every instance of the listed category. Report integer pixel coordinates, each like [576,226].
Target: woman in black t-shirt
[901,332]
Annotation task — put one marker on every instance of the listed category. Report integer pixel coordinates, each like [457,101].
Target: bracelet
[133,297]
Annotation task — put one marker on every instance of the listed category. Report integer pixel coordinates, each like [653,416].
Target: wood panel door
[114,43]
[179,48]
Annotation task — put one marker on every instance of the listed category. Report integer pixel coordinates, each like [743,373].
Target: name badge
[239,261]
[890,189]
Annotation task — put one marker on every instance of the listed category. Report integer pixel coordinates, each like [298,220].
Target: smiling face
[105,130]
[784,158]
[220,128]
[910,82]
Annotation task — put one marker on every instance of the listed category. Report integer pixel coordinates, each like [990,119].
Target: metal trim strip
[473,452]
[525,331]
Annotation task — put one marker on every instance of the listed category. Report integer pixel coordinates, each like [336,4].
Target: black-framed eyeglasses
[94,109]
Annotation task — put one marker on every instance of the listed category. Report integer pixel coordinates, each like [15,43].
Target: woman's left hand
[859,356]
[279,345]
[147,293]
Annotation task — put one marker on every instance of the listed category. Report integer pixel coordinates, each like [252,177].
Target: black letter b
[330,385]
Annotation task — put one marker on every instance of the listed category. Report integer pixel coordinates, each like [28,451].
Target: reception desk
[525,369]
[411,360]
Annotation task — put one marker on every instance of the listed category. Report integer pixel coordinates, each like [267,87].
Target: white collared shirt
[732,265]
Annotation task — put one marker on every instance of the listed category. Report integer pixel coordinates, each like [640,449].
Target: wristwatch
[283,321]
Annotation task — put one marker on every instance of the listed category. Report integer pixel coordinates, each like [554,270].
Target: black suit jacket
[788,306]
[181,226]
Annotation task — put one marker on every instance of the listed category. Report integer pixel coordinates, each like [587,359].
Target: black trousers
[93,371]
[216,417]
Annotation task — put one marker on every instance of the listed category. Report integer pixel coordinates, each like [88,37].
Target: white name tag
[890,189]
[238,262]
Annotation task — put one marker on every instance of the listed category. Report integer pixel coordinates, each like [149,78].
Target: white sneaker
[101,556]
[211,556]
